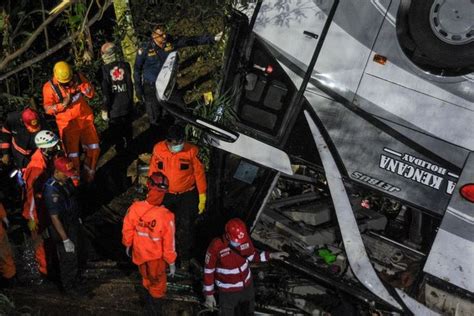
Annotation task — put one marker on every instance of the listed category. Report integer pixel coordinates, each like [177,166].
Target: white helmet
[46,139]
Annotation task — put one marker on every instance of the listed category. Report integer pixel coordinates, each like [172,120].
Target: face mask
[176,148]
[234,244]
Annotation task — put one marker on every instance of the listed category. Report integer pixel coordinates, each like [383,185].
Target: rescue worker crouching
[227,264]
[64,96]
[7,264]
[148,233]
[17,136]
[60,197]
[36,173]
[179,162]
[117,89]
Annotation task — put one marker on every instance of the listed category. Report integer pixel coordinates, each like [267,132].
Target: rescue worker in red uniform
[17,137]
[179,162]
[64,96]
[39,169]
[148,229]
[227,264]
[7,265]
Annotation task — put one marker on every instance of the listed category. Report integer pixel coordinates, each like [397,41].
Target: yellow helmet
[62,72]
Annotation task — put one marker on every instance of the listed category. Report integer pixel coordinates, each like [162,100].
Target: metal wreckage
[352,152]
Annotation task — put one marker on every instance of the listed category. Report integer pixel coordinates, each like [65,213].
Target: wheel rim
[452,21]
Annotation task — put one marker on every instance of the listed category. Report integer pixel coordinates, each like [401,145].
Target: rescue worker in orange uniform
[148,232]
[179,162]
[7,265]
[64,96]
[17,136]
[39,169]
[228,266]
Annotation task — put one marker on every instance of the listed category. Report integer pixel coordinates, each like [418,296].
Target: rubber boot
[152,307]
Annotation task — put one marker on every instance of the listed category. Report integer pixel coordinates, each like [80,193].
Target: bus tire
[435,50]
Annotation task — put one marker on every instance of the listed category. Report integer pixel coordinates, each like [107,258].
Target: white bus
[378,97]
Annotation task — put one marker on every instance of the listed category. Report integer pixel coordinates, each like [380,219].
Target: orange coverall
[183,169]
[35,177]
[149,230]
[7,265]
[75,121]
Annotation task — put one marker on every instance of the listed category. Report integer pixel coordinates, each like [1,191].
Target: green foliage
[220,111]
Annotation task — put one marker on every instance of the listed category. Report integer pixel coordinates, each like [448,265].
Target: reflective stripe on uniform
[233,271]
[250,258]
[91,146]
[54,108]
[4,130]
[143,234]
[4,145]
[209,288]
[32,207]
[73,155]
[22,151]
[209,271]
[233,285]
[262,257]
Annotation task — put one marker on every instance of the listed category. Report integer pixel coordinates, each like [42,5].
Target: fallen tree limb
[56,47]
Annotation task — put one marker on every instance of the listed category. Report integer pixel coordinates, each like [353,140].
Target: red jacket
[183,169]
[228,267]
[149,229]
[35,176]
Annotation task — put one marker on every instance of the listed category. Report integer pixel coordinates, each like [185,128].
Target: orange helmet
[236,230]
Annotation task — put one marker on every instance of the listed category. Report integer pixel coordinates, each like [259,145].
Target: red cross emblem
[117,73]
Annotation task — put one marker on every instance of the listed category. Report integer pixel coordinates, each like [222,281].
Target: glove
[32,225]
[85,88]
[104,115]
[218,36]
[6,221]
[127,251]
[68,245]
[172,270]
[279,255]
[202,203]
[210,301]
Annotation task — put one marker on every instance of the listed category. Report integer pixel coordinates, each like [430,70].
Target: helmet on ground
[46,139]
[158,181]
[236,230]
[62,72]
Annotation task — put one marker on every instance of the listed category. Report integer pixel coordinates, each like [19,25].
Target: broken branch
[56,47]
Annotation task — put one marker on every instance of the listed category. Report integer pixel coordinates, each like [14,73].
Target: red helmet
[236,230]
[158,181]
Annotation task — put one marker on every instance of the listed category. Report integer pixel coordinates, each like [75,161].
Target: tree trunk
[124,20]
